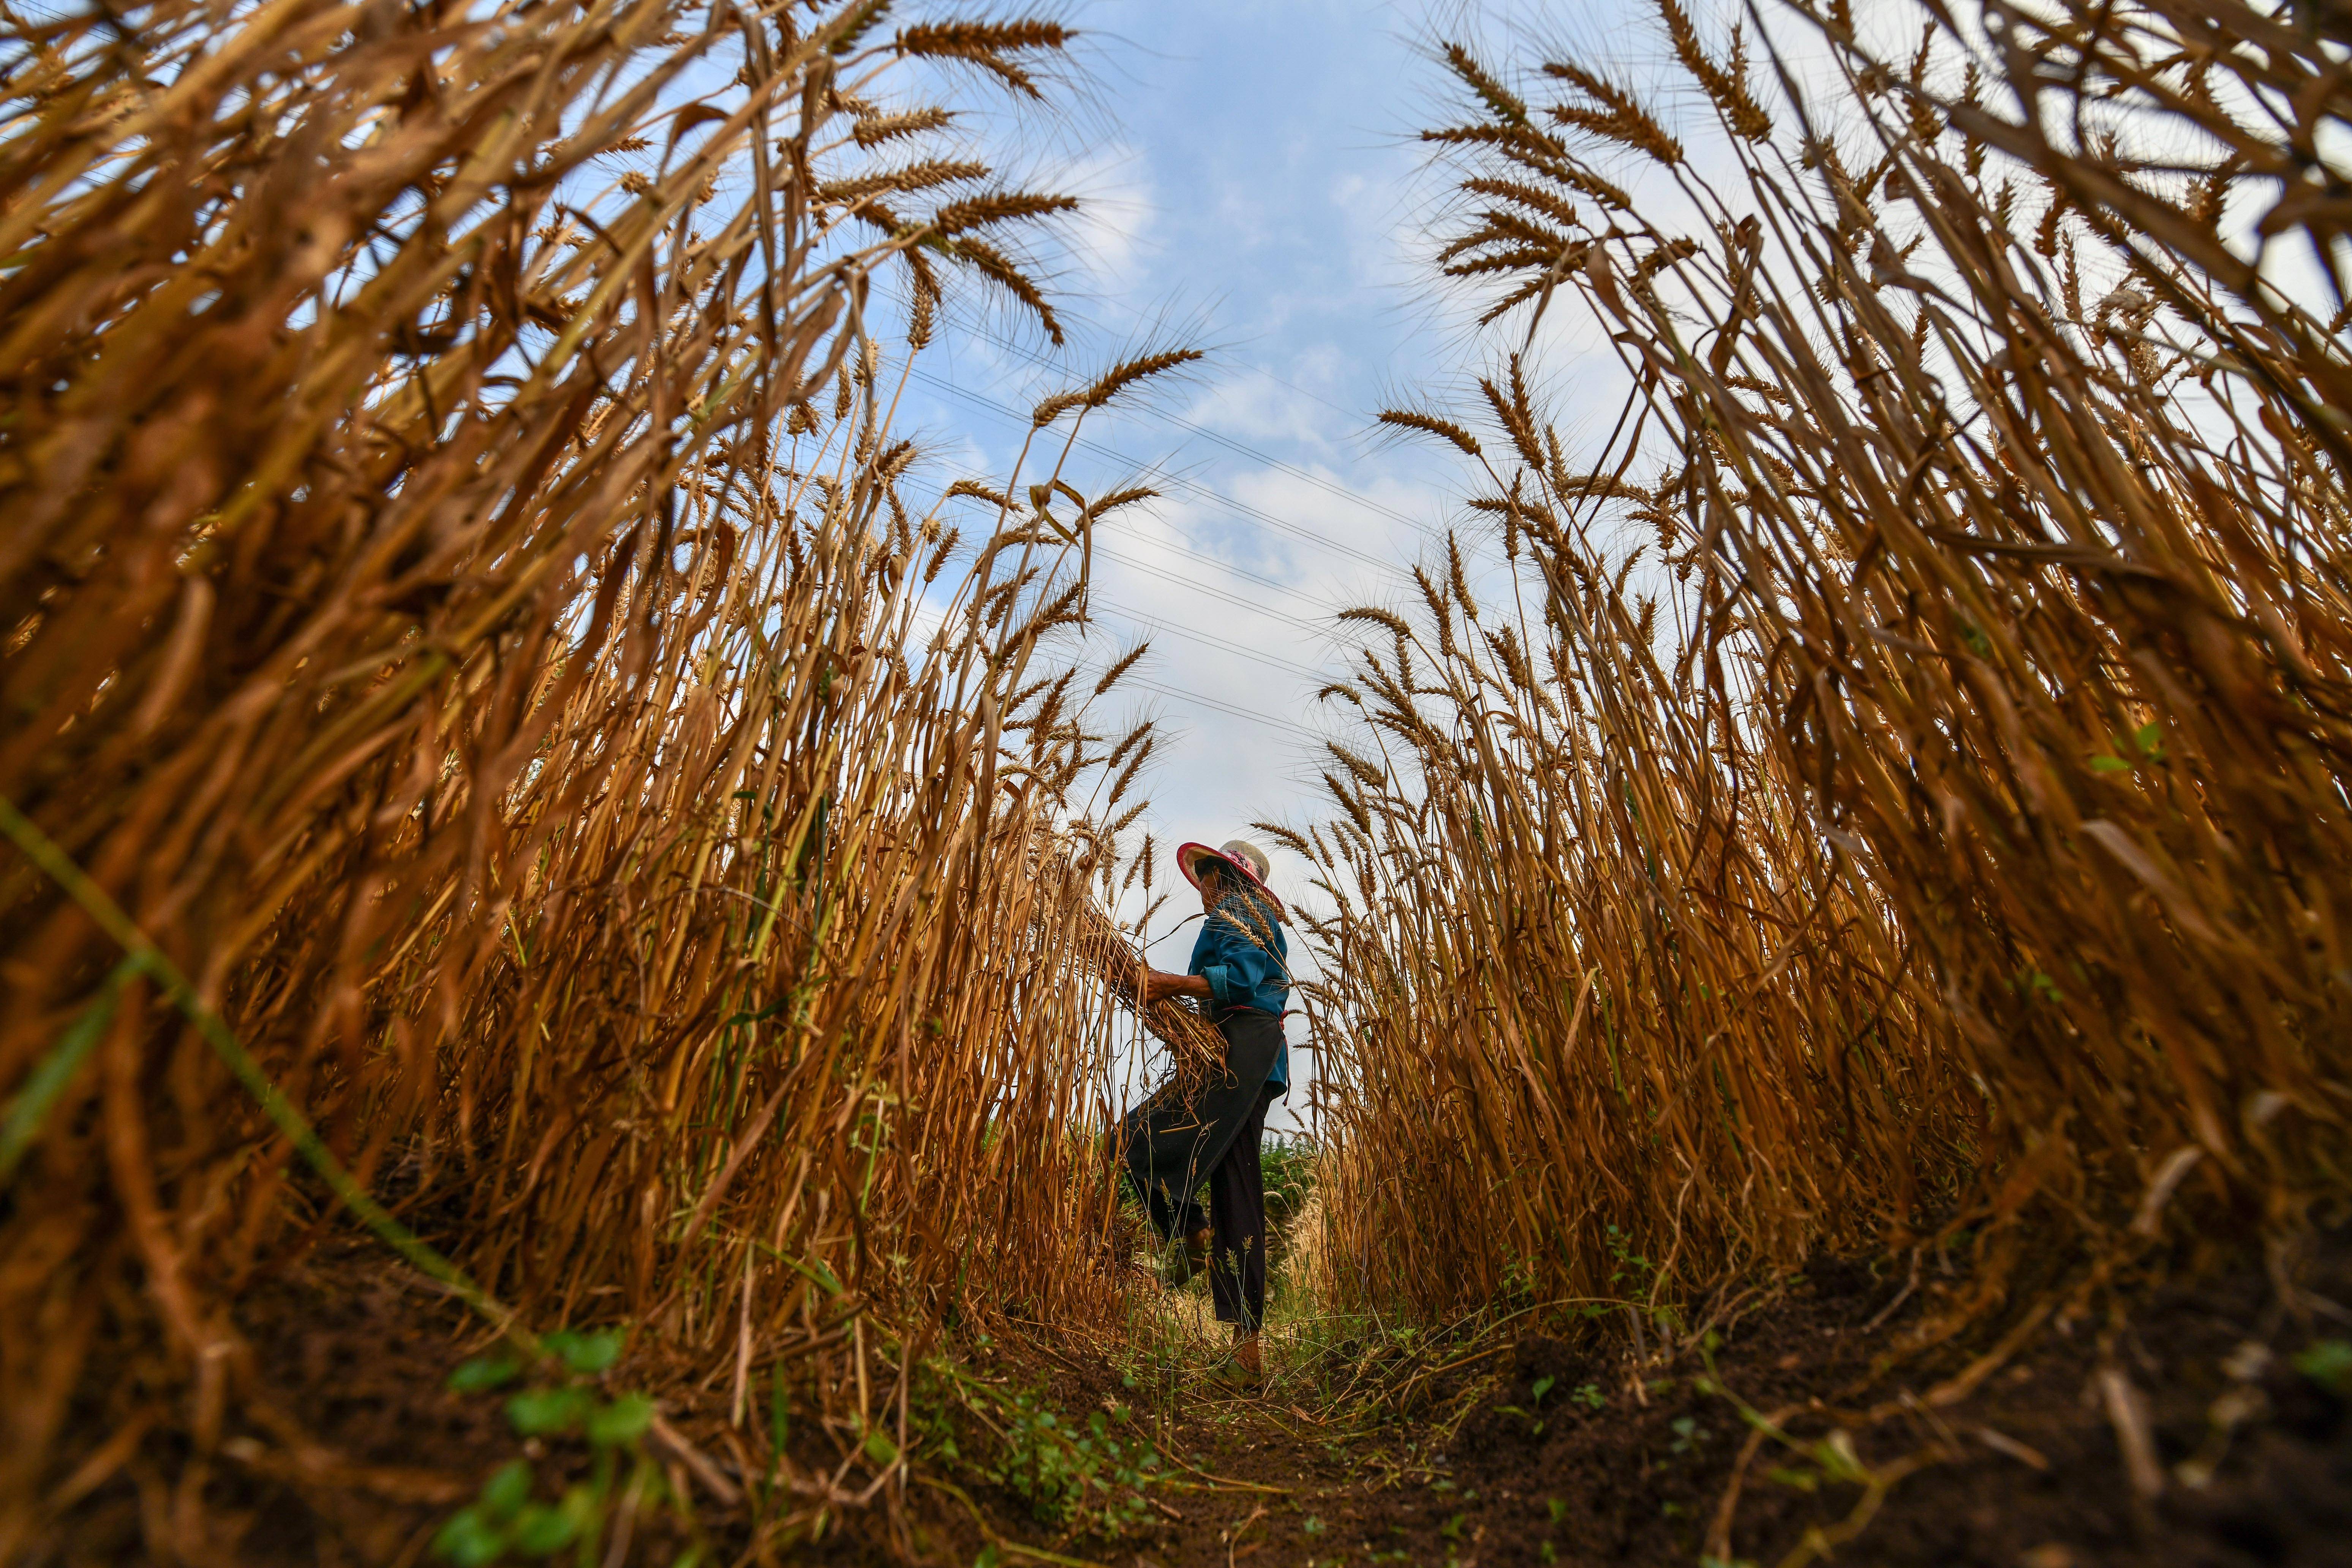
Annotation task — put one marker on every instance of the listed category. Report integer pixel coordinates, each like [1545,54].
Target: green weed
[511,1517]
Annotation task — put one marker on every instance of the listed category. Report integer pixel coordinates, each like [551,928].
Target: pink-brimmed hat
[1240,855]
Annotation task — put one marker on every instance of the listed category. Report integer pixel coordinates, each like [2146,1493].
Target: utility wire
[1242,509]
[1270,583]
[1243,448]
[1156,626]
[1270,660]
[1198,587]
[1227,708]
[1139,317]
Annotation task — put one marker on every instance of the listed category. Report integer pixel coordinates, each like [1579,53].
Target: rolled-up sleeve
[1239,972]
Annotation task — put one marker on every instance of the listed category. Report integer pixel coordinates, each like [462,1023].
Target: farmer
[1240,971]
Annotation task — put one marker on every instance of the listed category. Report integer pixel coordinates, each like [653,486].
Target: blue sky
[1251,185]
[1254,187]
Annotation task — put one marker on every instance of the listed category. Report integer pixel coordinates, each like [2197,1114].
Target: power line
[1196,699]
[1242,509]
[1228,708]
[1136,315]
[1243,448]
[1263,582]
[1155,624]
[1196,586]
[1200,587]
[1158,628]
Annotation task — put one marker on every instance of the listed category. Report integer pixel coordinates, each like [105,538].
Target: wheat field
[1899,800]
[509,748]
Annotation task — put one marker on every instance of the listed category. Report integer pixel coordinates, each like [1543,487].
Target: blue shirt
[1233,954]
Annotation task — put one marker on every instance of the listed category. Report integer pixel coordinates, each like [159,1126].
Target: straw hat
[1239,854]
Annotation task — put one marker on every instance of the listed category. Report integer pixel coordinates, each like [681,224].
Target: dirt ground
[2209,1428]
[2252,1454]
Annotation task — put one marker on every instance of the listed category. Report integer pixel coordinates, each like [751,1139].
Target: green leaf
[879,1447]
[541,1529]
[2327,1364]
[506,1491]
[469,1539]
[2109,765]
[2148,735]
[1835,1455]
[622,1422]
[537,1411]
[57,1070]
[1314,1526]
[1542,1387]
[587,1353]
[822,1277]
[484,1373]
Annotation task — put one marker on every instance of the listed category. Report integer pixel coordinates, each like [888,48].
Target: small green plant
[2327,1364]
[2142,744]
[1629,1265]
[508,1517]
[1084,1477]
[2036,986]
[1588,1394]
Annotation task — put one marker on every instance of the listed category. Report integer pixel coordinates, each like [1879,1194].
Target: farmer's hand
[1158,984]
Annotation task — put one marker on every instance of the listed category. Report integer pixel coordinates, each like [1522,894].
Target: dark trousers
[1237,1223]
[1169,1145]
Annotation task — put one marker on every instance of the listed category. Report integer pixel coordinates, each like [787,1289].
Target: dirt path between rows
[2210,1428]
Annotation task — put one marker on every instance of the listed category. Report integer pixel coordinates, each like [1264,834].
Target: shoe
[1248,1366]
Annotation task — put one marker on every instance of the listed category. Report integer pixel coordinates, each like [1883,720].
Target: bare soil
[2030,1471]
[1542,1450]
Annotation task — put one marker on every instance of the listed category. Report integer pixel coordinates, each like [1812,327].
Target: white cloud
[1110,227]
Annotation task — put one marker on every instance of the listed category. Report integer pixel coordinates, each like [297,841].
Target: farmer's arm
[1231,967]
[1158,983]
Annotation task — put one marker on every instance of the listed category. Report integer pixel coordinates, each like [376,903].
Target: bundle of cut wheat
[1103,950]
